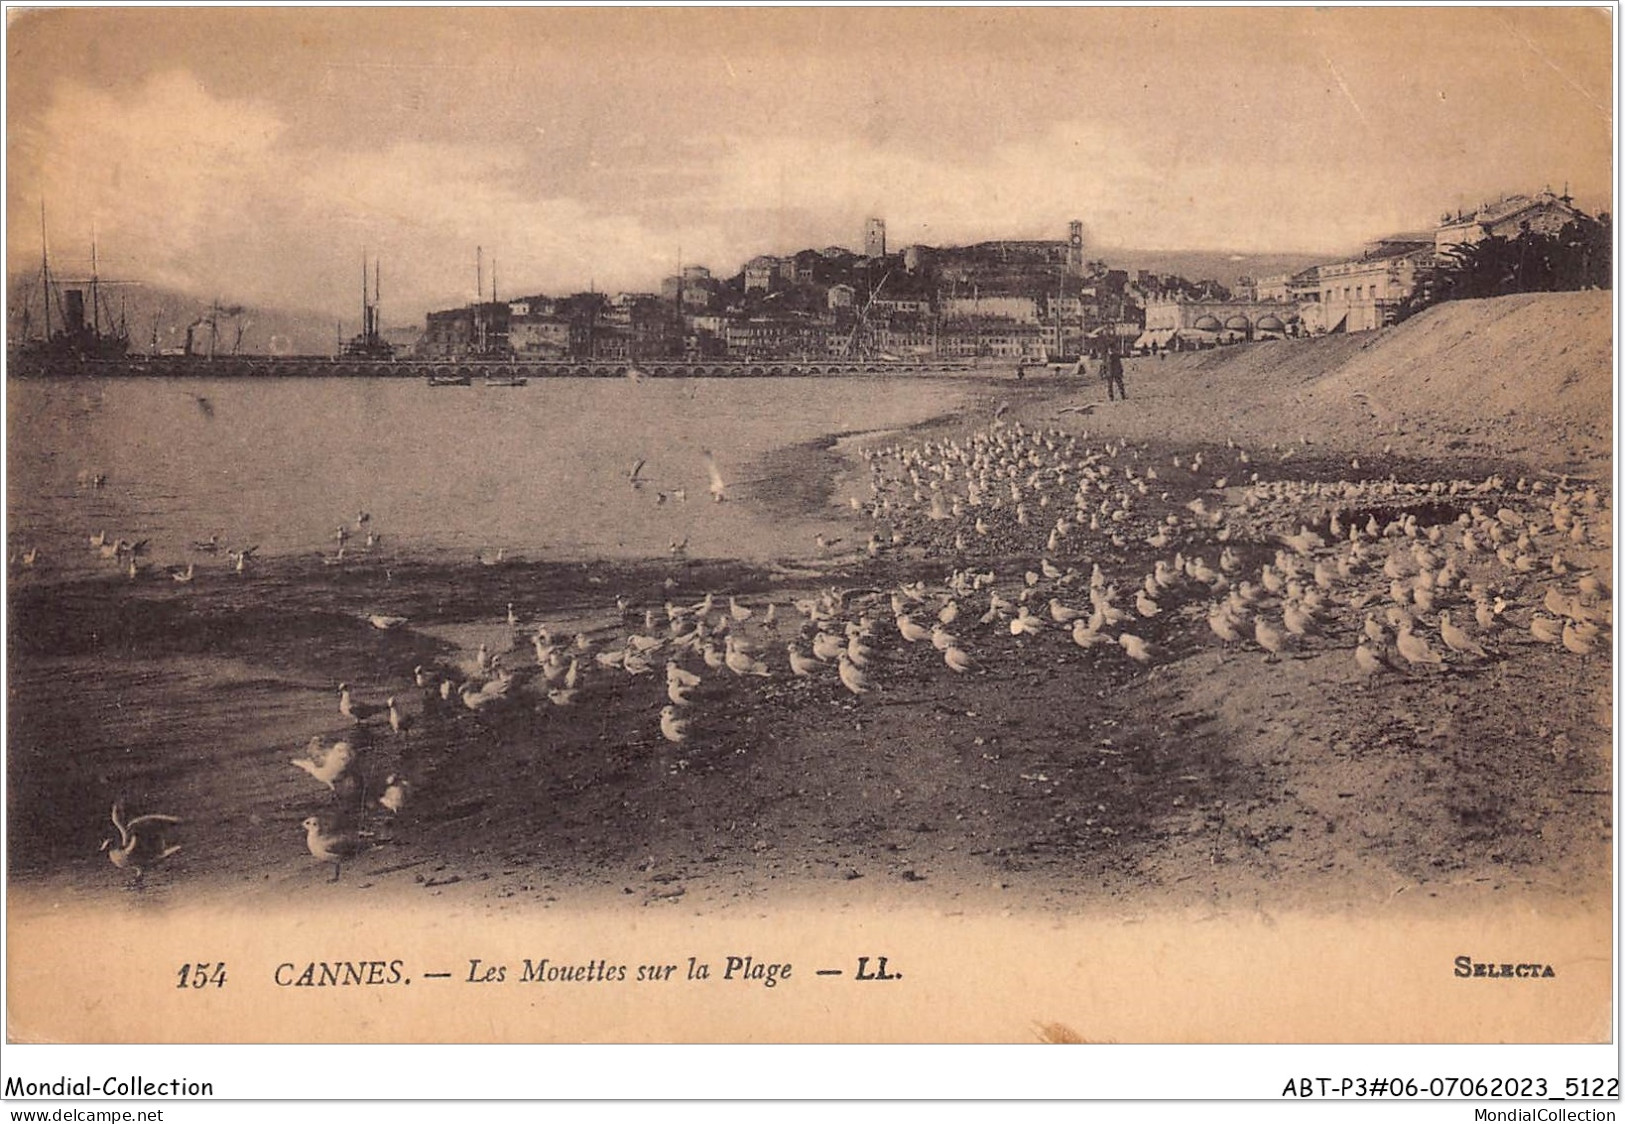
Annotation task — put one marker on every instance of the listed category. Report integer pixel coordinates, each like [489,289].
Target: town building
[1543,213]
[977,306]
[762,272]
[1372,290]
[874,238]
[542,337]
[1171,320]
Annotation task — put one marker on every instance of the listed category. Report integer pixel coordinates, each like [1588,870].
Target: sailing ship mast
[45,270]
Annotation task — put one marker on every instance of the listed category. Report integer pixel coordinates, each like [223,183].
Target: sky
[256,154]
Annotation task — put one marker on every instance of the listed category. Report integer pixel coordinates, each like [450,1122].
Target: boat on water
[451,380]
[370,344]
[72,339]
[506,380]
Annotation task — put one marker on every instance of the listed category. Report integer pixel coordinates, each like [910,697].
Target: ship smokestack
[75,311]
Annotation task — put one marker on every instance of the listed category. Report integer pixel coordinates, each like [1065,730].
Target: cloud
[152,174]
[209,195]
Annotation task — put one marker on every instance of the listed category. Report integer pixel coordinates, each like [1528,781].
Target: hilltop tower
[874,238]
[1074,249]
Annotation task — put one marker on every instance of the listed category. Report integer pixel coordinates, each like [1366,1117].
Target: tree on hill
[1579,256]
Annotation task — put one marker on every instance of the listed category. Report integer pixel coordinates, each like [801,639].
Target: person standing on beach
[1111,369]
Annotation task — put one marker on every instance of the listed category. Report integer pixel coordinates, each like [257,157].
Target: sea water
[540,471]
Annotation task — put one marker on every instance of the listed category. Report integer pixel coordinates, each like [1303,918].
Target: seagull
[326,766]
[717,489]
[1025,622]
[356,712]
[826,646]
[182,576]
[1456,638]
[740,662]
[1368,660]
[676,673]
[394,797]
[1374,631]
[1269,638]
[673,728]
[1138,649]
[141,842]
[1415,648]
[801,665]
[1297,619]
[853,678]
[1063,614]
[910,631]
[1579,638]
[1545,629]
[494,691]
[330,845]
[957,659]
[1085,637]
[1223,626]
[380,621]
[398,722]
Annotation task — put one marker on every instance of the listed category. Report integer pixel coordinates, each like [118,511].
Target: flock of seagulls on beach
[1037,543]
[1385,562]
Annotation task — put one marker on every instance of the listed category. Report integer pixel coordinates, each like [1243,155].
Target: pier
[306,366]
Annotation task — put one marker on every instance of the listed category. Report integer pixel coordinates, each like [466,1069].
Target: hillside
[1527,378]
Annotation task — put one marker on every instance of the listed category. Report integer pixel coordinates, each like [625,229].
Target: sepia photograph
[809,525]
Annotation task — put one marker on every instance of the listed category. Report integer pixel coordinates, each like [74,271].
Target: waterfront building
[541,337]
[1371,291]
[1543,213]
[1175,318]
[1020,308]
